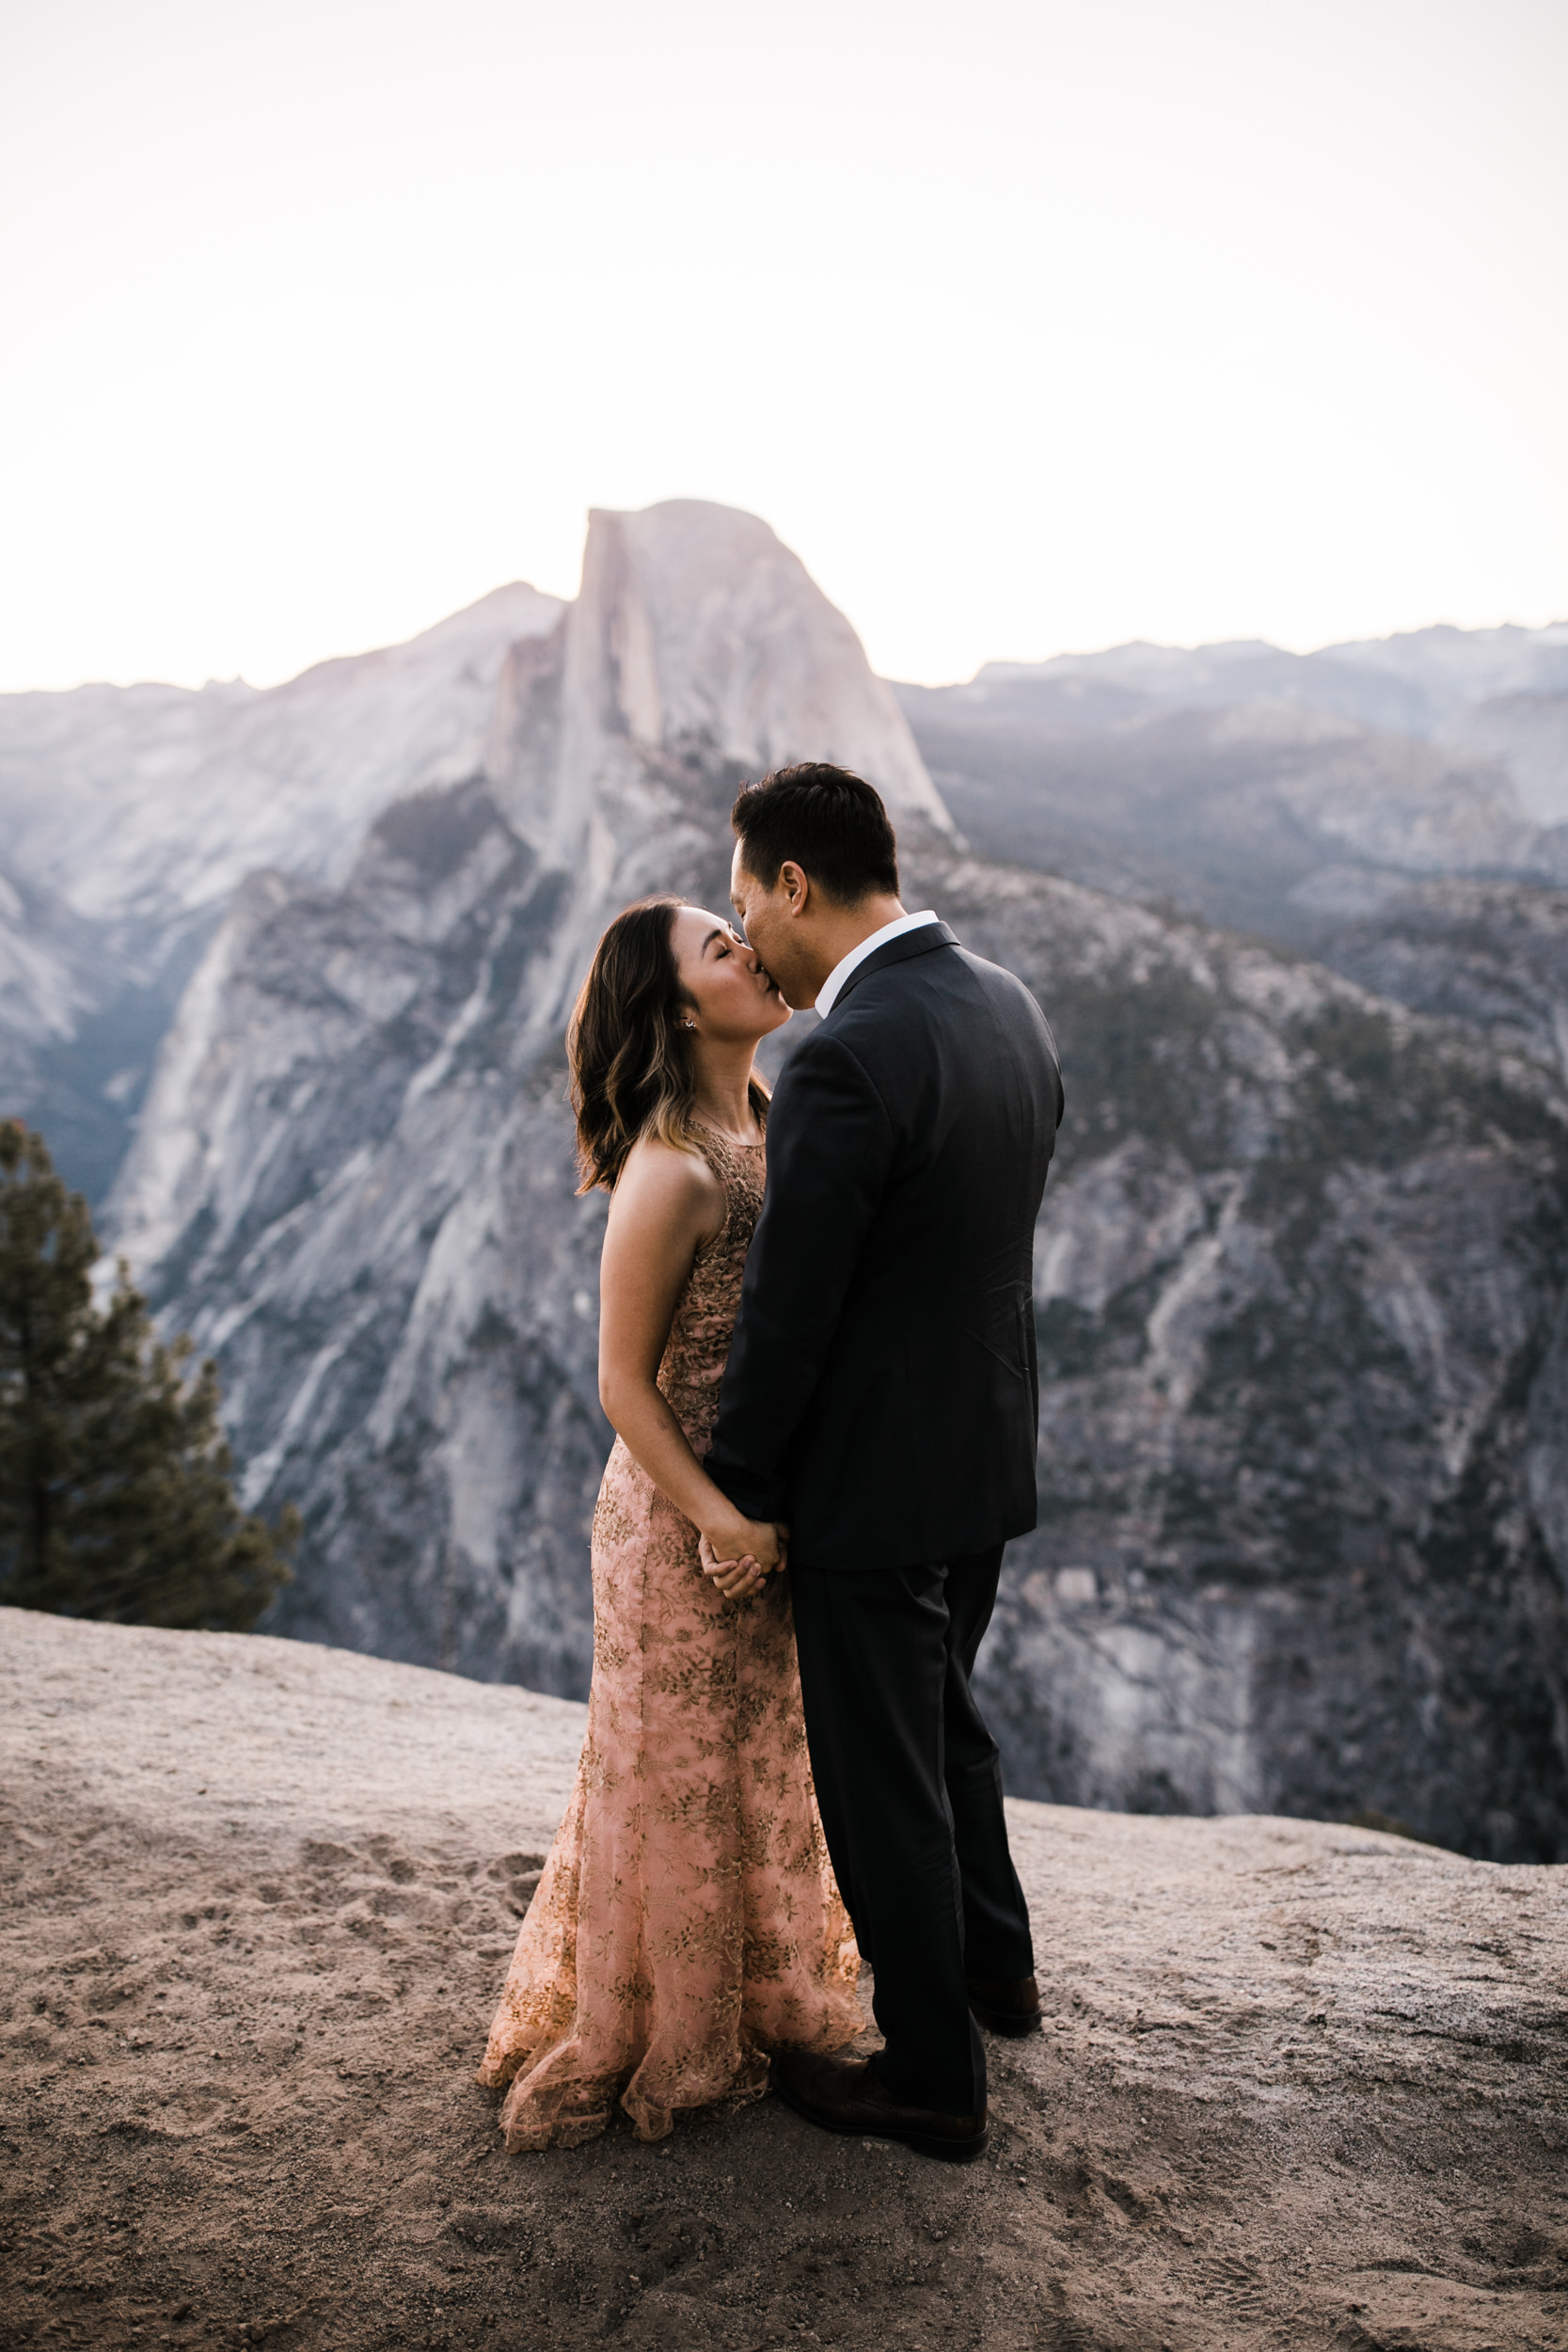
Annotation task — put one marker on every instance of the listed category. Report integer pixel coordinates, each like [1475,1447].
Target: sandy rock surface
[1301,2084]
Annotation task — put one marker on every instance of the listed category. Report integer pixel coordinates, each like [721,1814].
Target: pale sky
[1030,327]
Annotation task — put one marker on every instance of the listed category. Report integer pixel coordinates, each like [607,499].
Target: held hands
[740,1555]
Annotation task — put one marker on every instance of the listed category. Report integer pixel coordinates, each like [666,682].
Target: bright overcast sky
[1029,327]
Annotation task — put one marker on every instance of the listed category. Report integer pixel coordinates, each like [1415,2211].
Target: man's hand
[740,1558]
[736,1579]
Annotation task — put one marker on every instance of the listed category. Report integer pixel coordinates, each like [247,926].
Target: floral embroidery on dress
[686,1921]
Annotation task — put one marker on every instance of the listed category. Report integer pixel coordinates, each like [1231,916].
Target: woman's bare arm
[665,1205]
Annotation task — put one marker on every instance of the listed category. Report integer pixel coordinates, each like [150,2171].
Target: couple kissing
[817,1349]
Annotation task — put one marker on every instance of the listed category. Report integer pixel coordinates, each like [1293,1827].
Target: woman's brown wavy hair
[631,1062]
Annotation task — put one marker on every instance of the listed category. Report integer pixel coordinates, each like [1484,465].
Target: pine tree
[116,1482]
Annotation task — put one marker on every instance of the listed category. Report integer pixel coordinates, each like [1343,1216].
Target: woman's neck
[724,1076]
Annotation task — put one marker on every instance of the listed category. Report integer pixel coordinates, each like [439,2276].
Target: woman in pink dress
[686,1922]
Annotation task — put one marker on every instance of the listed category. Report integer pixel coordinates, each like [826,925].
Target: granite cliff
[1300,1281]
[129,815]
[1269,1385]
[353,1177]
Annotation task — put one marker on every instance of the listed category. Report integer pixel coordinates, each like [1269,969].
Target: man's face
[771,928]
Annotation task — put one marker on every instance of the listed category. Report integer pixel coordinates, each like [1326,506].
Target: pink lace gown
[686,1921]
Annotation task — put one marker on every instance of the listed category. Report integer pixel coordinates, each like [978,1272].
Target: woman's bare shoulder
[660,1184]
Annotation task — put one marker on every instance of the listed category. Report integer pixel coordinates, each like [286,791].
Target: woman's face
[733,1000]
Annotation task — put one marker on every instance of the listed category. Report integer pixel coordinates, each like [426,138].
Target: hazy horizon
[1061,653]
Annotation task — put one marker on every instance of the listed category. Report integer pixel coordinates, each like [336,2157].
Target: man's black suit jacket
[881,1394]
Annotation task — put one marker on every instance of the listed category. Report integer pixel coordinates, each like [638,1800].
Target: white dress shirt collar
[827,995]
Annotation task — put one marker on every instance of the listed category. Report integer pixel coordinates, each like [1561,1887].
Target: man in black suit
[881,1401]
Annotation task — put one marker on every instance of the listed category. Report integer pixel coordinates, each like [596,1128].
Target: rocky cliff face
[1299,1284]
[129,815]
[1304,1540]
[354,1178]
[1304,1430]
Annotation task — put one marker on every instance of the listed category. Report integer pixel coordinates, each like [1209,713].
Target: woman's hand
[740,1554]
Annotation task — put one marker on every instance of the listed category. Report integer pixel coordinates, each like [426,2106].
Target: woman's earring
[686,1024]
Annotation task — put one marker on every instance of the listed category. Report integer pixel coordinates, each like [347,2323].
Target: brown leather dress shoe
[1002,2007]
[843,2095]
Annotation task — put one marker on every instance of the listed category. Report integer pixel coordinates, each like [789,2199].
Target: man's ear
[796,884]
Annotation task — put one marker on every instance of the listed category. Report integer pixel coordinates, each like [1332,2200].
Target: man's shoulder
[934,978]
[1002,986]
[930,1002]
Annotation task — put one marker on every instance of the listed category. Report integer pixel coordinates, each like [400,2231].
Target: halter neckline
[732,1141]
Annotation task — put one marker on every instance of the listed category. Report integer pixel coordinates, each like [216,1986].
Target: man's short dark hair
[826,820]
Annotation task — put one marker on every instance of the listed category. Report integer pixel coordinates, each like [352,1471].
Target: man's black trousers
[909,1788]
